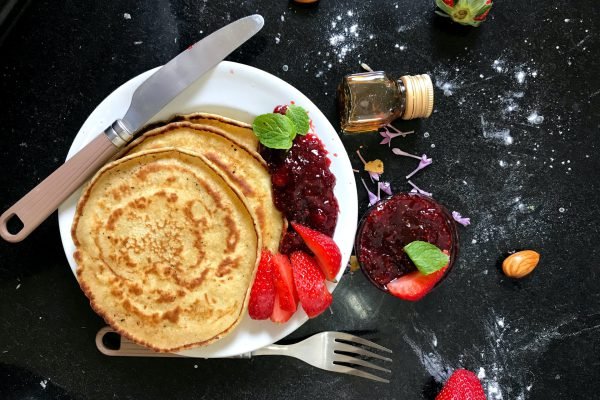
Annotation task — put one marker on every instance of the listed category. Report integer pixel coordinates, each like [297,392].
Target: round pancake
[240,131]
[244,168]
[166,249]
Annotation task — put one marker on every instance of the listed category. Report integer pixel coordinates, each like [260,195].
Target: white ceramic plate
[240,92]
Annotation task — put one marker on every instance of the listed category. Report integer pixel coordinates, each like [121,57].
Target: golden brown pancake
[244,168]
[239,131]
[166,249]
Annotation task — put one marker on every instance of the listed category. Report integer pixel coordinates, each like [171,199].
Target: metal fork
[332,351]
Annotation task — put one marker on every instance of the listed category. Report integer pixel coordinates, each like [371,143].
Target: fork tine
[353,360]
[352,371]
[356,339]
[358,350]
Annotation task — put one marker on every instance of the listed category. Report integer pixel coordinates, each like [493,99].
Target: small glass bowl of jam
[394,222]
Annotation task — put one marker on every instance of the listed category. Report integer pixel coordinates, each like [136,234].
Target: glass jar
[370,100]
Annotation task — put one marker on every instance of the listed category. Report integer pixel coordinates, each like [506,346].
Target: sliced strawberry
[415,285]
[279,315]
[324,248]
[284,283]
[262,294]
[462,385]
[310,284]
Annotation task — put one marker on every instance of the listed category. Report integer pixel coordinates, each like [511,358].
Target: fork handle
[273,350]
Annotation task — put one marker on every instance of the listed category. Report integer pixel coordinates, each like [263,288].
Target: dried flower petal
[400,152]
[417,189]
[354,265]
[386,187]
[460,219]
[422,164]
[374,166]
[389,132]
[372,197]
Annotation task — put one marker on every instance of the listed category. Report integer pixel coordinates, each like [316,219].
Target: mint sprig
[428,258]
[277,131]
[299,117]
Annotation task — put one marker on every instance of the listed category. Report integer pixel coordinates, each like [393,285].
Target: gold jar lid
[418,96]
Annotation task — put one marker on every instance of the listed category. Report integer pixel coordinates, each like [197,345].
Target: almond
[520,264]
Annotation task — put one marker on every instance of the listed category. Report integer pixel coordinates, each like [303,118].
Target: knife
[148,99]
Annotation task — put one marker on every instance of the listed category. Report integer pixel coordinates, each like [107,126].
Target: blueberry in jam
[393,223]
[303,188]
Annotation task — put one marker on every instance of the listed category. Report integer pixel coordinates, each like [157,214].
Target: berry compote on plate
[302,187]
[393,223]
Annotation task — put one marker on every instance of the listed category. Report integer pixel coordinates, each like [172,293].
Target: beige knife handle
[43,199]
[126,347]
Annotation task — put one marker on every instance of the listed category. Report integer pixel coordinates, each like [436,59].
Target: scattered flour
[432,361]
[446,87]
[535,119]
[444,83]
[481,373]
[490,132]
[335,39]
[493,391]
[499,65]
[504,361]
[345,34]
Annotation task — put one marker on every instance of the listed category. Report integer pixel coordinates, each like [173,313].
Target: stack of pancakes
[168,236]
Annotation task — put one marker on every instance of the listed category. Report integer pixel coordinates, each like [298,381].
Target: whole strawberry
[465,12]
[462,385]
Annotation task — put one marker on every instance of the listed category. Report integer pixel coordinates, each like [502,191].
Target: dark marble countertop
[514,138]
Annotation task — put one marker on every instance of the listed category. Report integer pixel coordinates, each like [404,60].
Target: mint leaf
[299,117]
[274,131]
[426,256]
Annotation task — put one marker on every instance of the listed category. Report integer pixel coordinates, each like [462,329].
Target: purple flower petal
[422,164]
[361,157]
[386,187]
[400,152]
[389,132]
[417,189]
[374,176]
[372,197]
[460,219]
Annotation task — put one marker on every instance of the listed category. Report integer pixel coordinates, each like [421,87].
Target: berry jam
[392,224]
[303,188]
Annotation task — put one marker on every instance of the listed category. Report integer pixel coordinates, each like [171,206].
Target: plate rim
[350,202]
